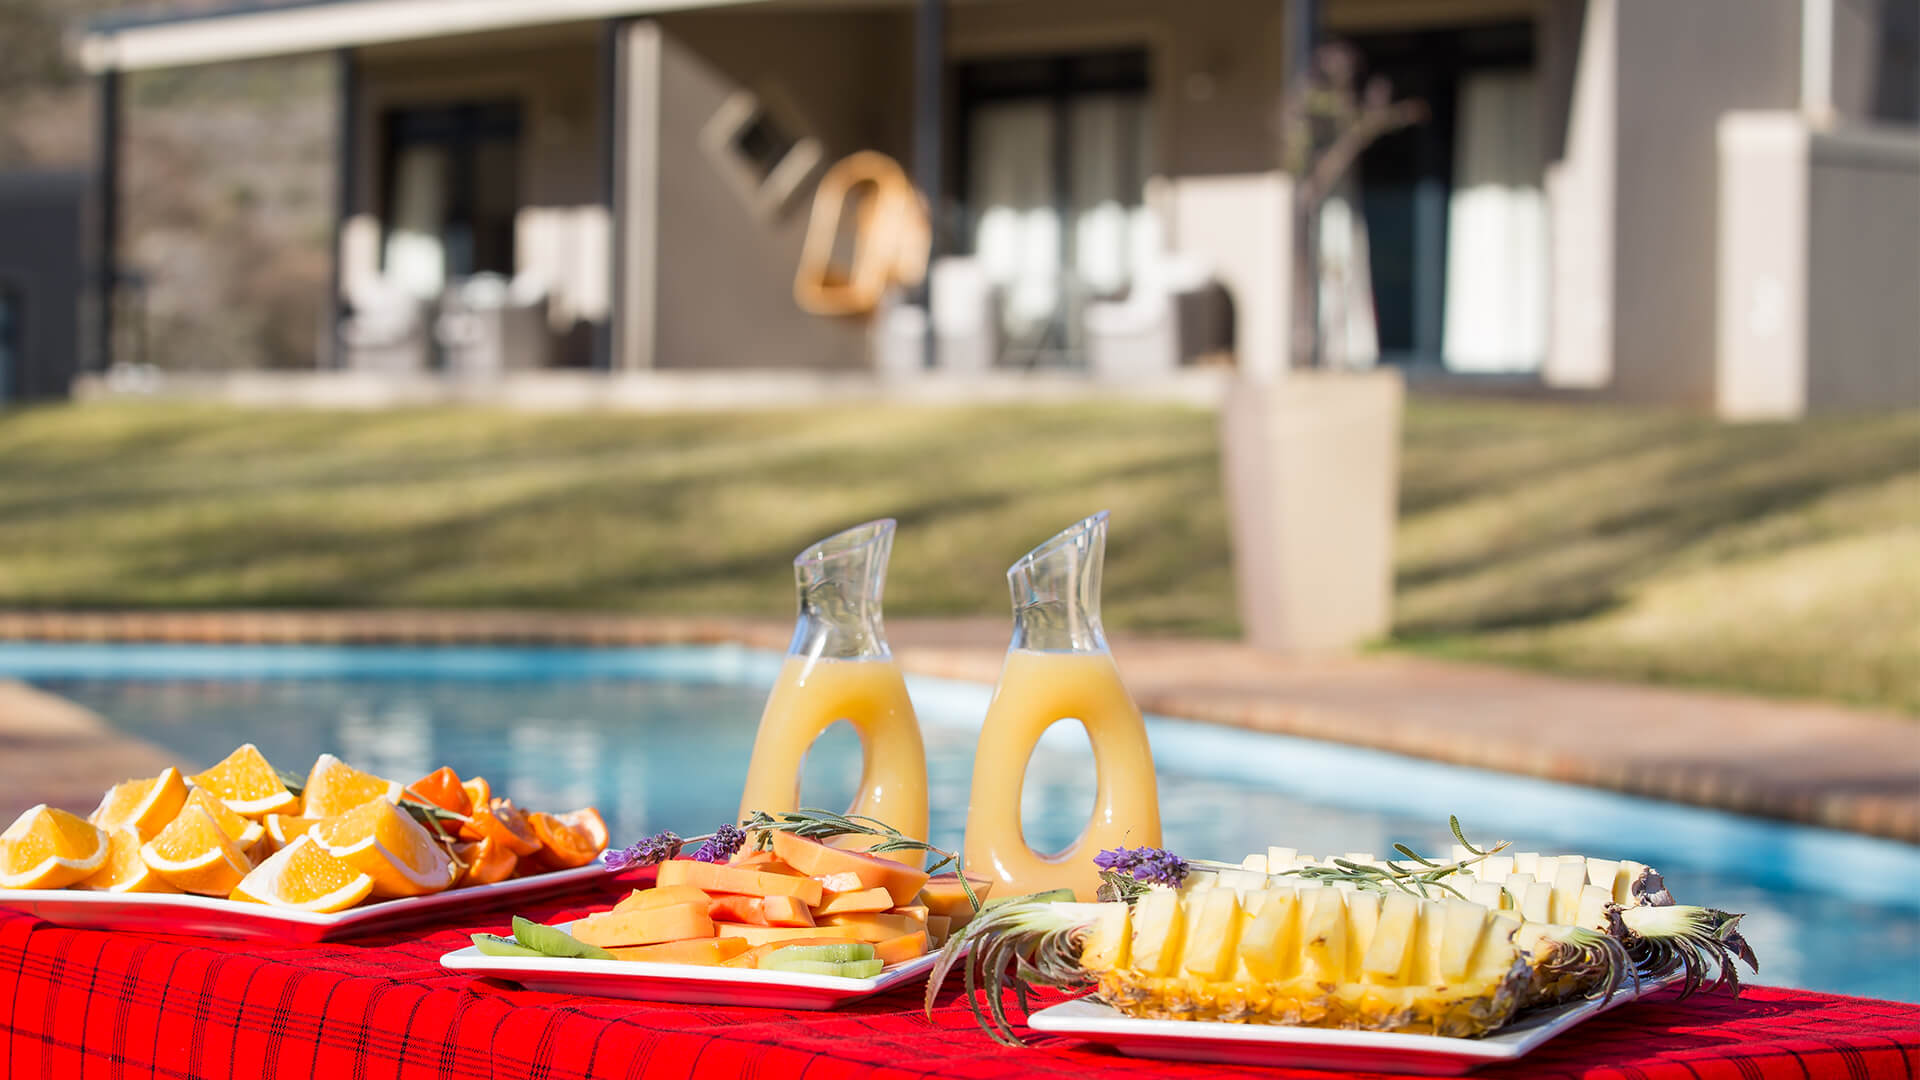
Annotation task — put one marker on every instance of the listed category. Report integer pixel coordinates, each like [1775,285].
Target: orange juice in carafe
[1058,668]
[840,668]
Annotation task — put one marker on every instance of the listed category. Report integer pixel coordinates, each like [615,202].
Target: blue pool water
[659,739]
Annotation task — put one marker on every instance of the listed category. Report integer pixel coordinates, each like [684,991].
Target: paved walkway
[1821,764]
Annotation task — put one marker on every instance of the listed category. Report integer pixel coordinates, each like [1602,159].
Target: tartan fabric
[82,1004]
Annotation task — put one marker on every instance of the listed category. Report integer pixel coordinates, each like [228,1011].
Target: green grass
[1779,558]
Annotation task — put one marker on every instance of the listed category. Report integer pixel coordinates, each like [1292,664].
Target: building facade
[1712,204]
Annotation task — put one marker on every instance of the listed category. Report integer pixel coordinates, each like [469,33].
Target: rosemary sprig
[1416,878]
[825,825]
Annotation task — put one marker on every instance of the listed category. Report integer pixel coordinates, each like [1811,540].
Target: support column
[106,215]
[1303,36]
[346,156]
[612,149]
[929,134]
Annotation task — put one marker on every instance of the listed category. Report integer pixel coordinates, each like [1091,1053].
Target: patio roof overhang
[307,26]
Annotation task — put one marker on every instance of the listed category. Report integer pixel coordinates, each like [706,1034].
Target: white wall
[1819,264]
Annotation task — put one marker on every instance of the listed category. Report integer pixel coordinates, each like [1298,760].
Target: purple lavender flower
[649,852]
[1156,866]
[721,846]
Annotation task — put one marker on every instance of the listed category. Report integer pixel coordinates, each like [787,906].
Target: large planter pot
[1311,463]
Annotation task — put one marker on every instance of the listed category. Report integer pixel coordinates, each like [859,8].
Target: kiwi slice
[495,945]
[846,969]
[828,954]
[549,941]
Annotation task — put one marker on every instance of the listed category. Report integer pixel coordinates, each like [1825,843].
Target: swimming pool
[659,738]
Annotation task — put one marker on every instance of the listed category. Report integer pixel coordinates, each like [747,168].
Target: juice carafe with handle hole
[1058,668]
[840,668]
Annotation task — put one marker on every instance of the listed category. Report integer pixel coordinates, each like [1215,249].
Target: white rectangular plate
[210,916]
[1316,1048]
[685,983]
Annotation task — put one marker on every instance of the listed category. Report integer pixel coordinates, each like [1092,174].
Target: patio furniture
[84,1002]
[385,330]
[489,326]
[1175,313]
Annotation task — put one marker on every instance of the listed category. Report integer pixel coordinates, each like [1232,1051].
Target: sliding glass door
[1055,152]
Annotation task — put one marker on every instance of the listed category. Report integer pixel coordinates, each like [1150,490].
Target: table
[81,1003]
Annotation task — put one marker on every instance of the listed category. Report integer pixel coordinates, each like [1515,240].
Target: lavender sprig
[649,852]
[725,842]
[1150,865]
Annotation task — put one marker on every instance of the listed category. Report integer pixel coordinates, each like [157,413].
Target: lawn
[1778,558]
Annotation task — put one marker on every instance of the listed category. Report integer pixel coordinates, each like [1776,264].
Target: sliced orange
[479,792]
[247,784]
[570,839]
[246,834]
[443,789]
[500,820]
[303,876]
[335,787]
[194,854]
[382,841]
[283,828]
[487,861]
[46,848]
[124,870]
[143,805]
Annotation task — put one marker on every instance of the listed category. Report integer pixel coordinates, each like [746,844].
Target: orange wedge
[487,861]
[568,840]
[143,805]
[282,829]
[303,876]
[242,832]
[124,870]
[46,848]
[443,789]
[335,787]
[194,854]
[247,784]
[382,841]
[502,821]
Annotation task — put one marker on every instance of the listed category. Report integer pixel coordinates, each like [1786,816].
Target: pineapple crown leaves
[1017,944]
[1697,942]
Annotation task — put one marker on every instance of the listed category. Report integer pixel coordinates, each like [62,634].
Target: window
[451,192]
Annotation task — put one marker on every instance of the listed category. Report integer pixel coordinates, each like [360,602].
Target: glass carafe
[1058,668]
[840,668]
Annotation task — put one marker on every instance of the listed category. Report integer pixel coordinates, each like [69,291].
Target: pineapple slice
[1536,906]
[1271,939]
[1609,874]
[1106,946]
[1323,935]
[1213,931]
[1464,924]
[1494,868]
[1488,894]
[1569,881]
[1363,920]
[1158,927]
[1525,861]
[1591,912]
[1281,858]
[1385,959]
[1256,861]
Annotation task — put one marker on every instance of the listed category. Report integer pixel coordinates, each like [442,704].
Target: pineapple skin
[1457,1012]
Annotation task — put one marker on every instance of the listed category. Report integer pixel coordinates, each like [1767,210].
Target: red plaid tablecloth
[80,1003]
